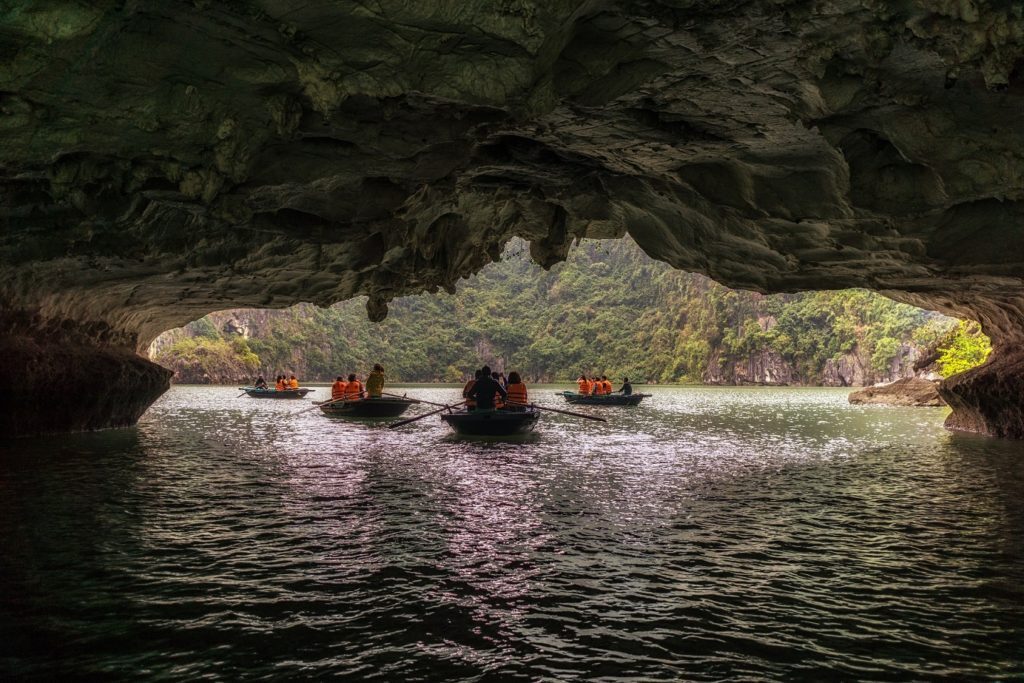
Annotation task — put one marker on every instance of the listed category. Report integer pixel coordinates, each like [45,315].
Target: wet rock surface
[159,160]
[912,391]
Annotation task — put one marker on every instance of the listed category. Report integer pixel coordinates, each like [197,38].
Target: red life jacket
[338,390]
[354,390]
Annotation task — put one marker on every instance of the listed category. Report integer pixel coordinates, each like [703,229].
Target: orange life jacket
[584,386]
[598,388]
[280,385]
[338,390]
[293,383]
[470,403]
[517,393]
[354,389]
[606,387]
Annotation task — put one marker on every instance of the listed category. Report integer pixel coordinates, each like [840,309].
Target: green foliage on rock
[965,348]
[608,309]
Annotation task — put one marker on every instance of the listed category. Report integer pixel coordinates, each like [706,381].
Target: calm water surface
[711,534]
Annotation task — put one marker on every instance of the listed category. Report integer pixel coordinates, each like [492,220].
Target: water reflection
[709,534]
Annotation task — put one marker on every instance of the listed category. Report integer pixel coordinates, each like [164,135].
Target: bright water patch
[710,534]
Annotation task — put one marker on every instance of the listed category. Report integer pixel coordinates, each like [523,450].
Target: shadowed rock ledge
[159,160]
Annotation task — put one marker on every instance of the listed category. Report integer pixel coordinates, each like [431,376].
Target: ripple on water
[710,534]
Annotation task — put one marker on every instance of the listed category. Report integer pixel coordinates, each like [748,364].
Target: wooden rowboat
[605,400]
[492,422]
[274,393]
[368,407]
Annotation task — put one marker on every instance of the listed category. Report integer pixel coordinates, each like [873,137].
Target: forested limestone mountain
[609,309]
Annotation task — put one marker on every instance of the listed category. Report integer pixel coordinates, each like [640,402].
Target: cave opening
[607,309]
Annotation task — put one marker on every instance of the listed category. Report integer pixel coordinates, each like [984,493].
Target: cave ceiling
[162,159]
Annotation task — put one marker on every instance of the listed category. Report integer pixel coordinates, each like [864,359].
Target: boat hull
[491,422]
[273,393]
[367,408]
[606,400]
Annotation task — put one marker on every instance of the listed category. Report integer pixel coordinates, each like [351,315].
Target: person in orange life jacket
[607,386]
[584,385]
[596,388]
[354,389]
[517,396]
[484,390]
[470,403]
[338,388]
[293,383]
[279,385]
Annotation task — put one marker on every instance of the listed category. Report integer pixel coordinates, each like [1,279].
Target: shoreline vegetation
[608,309]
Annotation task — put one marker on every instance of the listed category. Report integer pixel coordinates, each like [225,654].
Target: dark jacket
[483,392]
[627,388]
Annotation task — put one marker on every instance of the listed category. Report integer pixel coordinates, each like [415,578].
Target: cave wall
[159,160]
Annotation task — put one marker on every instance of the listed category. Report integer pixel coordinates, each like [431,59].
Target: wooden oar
[556,410]
[417,400]
[241,394]
[322,403]
[420,417]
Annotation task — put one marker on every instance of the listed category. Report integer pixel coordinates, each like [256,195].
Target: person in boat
[471,403]
[584,385]
[596,388]
[354,388]
[260,383]
[517,396]
[279,384]
[497,378]
[485,389]
[627,388]
[375,381]
[293,383]
[503,381]
[338,388]
[606,386]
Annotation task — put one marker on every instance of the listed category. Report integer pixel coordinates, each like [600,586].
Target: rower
[293,383]
[584,384]
[375,381]
[627,388]
[338,388]
[485,389]
[354,389]
[517,396]
[261,383]
[279,385]
[470,403]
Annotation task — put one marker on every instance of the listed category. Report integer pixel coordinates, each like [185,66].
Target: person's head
[293,377]
[478,374]
[583,377]
[604,378]
[352,377]
[625,379]
[514,378]
[377,367]
[339,378]
[260,378]
[494,375]
[485,370]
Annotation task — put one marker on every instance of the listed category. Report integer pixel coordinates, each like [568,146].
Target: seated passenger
[606,386]
[485,390]
[354,390]
[375,381]
[584,385]
[470,402]
[517,396]
[338,388]
[279,385]
[293,383]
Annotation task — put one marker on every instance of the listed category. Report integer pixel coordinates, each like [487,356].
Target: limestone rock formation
[911,391]
[162,159]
